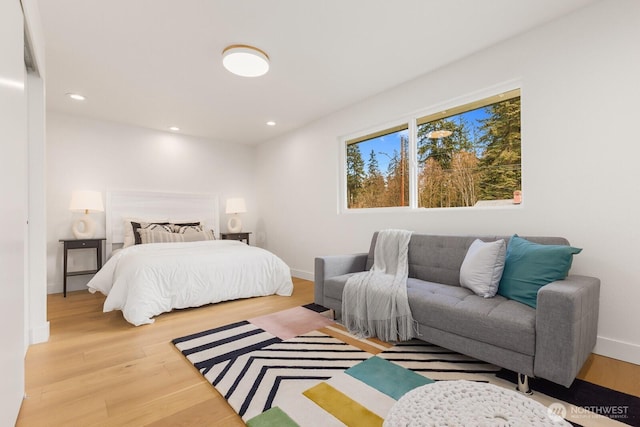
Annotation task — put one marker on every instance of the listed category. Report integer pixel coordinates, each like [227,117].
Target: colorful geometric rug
[299,368]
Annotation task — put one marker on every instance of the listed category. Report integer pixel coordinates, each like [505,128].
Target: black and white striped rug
[296,368]
[255,370]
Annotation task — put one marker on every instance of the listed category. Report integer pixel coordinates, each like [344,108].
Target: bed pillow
[128,233]
[182,222]
[182,229]
[164,227]
[482,267]
[529,266]
[158,236]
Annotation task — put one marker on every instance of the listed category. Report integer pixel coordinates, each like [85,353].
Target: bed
[174,262]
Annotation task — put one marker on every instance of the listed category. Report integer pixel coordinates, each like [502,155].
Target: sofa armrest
[336,265]
[566,327]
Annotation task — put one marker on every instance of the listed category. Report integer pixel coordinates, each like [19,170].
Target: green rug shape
[274,417]
[386,377]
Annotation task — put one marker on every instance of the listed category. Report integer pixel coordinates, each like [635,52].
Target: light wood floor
[97,369]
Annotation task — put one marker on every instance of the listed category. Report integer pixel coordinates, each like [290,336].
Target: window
[465,156]
[470,154]
[378,169]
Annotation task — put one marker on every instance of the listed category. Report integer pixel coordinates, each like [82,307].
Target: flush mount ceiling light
[436,134]
[174,128]
[245,61]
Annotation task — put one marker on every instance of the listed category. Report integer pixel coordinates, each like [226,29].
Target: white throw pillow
[160,236]
[128,236]
[482,267]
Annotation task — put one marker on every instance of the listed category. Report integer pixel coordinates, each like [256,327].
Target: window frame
[411,121]
[371,133]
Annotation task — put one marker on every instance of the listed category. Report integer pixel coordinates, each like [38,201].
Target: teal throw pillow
[529,266]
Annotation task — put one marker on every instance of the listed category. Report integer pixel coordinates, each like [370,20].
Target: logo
[557,412]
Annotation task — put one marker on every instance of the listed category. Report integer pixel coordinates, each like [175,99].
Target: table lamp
[85,227]
[235,206]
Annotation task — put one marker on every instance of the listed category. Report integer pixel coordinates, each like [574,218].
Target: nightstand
[242,236]
[80,244]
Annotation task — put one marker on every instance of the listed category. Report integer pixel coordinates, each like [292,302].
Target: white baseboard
[625,351]
[39,333]
[74,284]
[54,288]
[307,275]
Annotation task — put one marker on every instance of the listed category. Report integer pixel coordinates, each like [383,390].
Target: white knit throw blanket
[374,302]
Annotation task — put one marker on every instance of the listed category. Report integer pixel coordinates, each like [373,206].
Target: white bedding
[146,280]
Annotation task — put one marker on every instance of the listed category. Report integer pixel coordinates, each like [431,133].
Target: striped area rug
[298,368]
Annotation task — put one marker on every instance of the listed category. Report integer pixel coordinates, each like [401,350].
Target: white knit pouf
[467,403]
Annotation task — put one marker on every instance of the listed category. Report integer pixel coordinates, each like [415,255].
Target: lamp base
[235,224]
[84,228]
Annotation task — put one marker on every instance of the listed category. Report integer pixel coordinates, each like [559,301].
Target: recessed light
[245,61]
[271,123]
[174,128]
[76,96]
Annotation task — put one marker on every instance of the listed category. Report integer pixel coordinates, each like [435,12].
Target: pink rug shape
[292,322]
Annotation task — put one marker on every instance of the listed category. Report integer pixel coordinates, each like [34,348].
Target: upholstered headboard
[177,207]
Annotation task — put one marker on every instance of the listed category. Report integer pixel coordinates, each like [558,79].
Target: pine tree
[355,175]
[374,185]
[501,160]
[373,169]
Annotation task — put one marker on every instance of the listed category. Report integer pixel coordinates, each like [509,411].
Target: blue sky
[383,144]
[388,143]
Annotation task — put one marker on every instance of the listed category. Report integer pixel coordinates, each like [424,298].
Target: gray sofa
[551,341]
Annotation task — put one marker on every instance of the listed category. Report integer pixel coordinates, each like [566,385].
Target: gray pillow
[482,267]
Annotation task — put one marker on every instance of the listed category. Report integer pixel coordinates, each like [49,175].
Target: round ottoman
[467,403]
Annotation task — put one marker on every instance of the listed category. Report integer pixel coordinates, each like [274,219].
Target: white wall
[84,154]
[13,209]
[580,149]
[36,292]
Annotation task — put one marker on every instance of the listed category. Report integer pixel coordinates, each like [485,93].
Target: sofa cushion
[529,266]
[482,267]
[498,321]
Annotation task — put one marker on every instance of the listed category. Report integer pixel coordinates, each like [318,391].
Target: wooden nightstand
[80,244]
[242,236]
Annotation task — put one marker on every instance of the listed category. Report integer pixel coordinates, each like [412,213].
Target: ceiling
[157,63]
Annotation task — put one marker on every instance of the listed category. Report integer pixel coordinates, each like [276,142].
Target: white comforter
[146,280]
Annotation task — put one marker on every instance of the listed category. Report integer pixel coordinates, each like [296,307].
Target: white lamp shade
[86,201]
[236,205]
